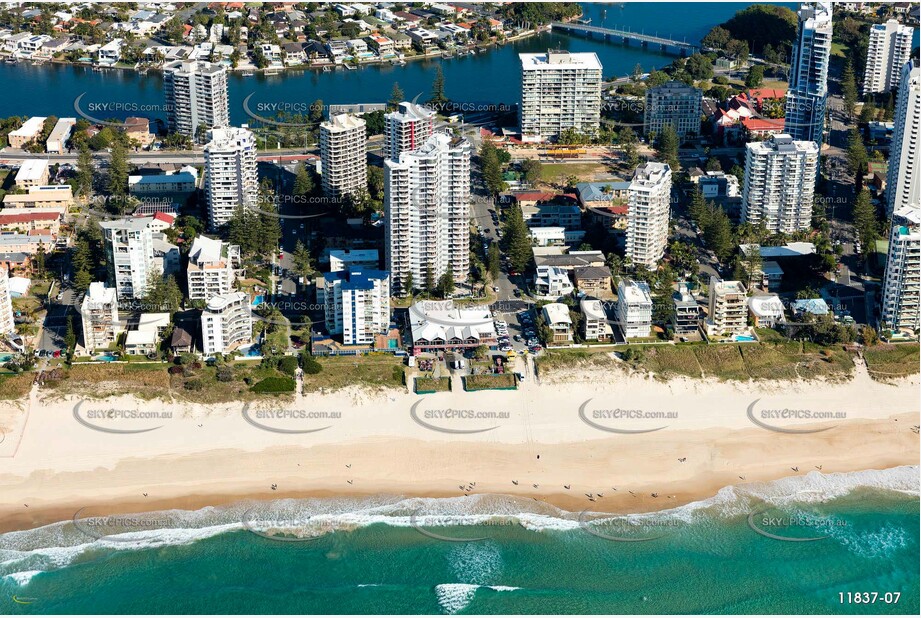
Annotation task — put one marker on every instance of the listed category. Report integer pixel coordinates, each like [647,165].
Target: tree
[856,154]
[849,87]
[699,67]
[865,220]
[408,285]
[438,100]
[492,261]
[491,168]
[316,111]
[713,165]
[531,171]
[517,241]
[446,284]
[628,140]
[755,76]
[396,97]
[738,50]
[38,265]
[667,147]
[303,261]
[85,171]
[303,182]
[70,337]
[717,38]
[118,171]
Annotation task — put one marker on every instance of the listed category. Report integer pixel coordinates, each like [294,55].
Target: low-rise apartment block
[99,314]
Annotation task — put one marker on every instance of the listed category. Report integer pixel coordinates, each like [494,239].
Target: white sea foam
[22,578]
[454,597]
[57,545]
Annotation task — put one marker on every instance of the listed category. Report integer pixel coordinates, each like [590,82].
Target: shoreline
[280,71]
[209,455]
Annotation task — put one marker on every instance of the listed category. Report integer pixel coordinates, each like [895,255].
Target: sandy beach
[620,438]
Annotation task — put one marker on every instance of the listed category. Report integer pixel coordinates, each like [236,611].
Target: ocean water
[505,555]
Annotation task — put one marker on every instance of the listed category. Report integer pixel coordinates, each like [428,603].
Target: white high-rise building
[130,256]
[808,90]
[648,210]
[196,94]
[226,323]
[231,173]
[634,308]
[210,270]
[406,129]
[344,155]
[902,282]
[903,186]
[7,325]
[99,314]
[780,176]
[357,304]
[427,212]
[888,51]
[559,90]
[728,308]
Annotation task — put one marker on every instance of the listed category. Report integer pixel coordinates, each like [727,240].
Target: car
[505,348]
[59,296]
[517,337]
[495,288]
[517,291]
[534,349]
[57,354]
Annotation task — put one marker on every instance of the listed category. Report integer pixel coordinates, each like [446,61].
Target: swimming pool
[108,358]
[5,357]
[744,338]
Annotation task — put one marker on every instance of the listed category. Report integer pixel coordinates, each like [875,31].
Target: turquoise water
[108,358]
[365,556]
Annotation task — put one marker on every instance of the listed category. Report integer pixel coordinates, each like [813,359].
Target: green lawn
[489,380]
[438,385]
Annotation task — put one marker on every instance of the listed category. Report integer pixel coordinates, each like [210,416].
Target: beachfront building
[129,256]
[28,132]
[903,184]
[634,308]
[888,50]
[357,304]
[780,177]
[766,311]
[685,311]
[196,96]
[231,177]
[226,323]
[427,213]
[7,325]
[560,90]
[557,319]
[552,282]
[673,104]
[32,173]
[648,210]
[145,338]
[728,308]
[804,118]
[901,308]
[210,269]
[406,129]
[343,259]
[57,139]
[99,316]
[344,155]
[439,326]
[593,280]
[595,324]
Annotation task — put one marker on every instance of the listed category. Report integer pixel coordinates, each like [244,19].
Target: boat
[351,67]
[97,68]
[248,73]
[11,60]
[327,69]
[402,63]
[271,71]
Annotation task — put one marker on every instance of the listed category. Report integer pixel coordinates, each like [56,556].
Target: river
[490,77]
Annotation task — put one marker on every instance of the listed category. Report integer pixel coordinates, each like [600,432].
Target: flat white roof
[32,169]
[560,60]
[557,313]
[30,126]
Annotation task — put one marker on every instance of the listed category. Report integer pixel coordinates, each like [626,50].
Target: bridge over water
[626,37]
